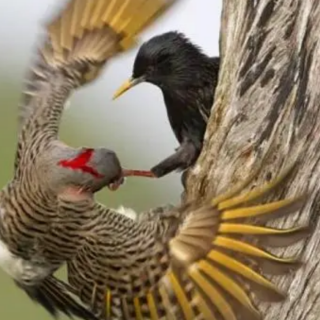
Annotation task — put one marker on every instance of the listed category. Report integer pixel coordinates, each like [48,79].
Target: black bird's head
[168,60]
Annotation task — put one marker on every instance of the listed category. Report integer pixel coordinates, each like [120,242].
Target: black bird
[187,78]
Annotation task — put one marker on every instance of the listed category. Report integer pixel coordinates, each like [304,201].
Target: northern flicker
[188,262]
[39,230]
[187,79]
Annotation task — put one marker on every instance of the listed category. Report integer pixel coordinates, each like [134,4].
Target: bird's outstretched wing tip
[84,20]
[211,248]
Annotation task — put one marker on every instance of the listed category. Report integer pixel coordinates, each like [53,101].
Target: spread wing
[78,42]
[197,269]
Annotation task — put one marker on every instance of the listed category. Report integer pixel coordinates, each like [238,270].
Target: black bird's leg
[183,158]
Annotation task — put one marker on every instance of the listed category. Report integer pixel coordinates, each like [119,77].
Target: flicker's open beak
[126,86]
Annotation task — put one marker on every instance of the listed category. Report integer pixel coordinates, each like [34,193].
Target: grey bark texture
[267,105]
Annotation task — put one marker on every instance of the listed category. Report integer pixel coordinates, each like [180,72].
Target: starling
[187,78]
[39,228]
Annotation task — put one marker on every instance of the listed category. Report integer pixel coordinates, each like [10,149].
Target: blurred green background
[135,126]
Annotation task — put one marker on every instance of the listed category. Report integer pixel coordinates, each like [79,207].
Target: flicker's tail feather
[55,297]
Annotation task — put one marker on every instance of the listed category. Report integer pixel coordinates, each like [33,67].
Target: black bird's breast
[188,112]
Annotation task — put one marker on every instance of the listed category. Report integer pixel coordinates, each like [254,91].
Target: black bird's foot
[165,167]
[182,159]
[159,171]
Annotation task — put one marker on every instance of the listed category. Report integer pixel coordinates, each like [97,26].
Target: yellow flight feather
[239,268]
[137,308]
[212,271]
[257,192]
[80,39]
[108,308]
[212,294]
[152,307]
[93,31]
[181,296]
[215,270]
[229,285]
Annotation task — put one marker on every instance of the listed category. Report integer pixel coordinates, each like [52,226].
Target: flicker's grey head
[84,168]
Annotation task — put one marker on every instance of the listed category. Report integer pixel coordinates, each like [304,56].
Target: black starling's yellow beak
[126,86]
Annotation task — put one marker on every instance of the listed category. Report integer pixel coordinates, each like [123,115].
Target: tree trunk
[267,105]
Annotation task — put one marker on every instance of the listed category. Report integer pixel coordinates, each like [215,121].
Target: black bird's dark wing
[188,114]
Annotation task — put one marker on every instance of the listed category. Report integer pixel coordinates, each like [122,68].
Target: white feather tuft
[128,212]
[196,170]
[67,104]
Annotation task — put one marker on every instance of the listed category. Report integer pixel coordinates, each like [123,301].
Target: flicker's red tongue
[130,173]
[138,173]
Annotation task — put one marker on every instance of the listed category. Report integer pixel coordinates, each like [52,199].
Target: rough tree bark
[268,99]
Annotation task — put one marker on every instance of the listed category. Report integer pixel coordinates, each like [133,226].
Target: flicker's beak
[127,85]
[116,184]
